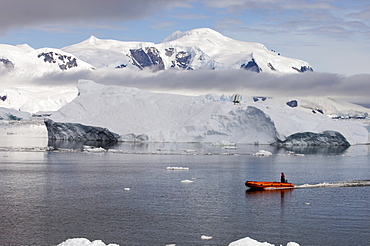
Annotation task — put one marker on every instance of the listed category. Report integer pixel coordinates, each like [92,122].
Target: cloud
[20,13]
[199,82]
[364,15]
[239,5]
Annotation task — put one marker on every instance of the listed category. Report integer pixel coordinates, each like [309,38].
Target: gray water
[48,197]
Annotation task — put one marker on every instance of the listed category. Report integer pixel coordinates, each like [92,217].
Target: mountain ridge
[201,48]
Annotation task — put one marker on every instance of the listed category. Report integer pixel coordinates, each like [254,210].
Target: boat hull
[268,185]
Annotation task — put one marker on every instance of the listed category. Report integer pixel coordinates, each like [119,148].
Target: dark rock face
[7,63]
[65,62]
[292,103]
[78,132]
[326,138]
[303,69]
[156,59]
[169,52]
[271,66]
[149,58]
[252,66]
[121,66]
[183,60]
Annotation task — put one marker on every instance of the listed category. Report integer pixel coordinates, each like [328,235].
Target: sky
[331,35]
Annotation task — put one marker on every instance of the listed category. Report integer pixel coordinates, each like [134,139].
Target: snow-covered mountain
[117,113]
[22,60]
[201,48]
[44,79]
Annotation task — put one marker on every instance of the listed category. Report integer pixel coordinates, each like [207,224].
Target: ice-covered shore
[137,115]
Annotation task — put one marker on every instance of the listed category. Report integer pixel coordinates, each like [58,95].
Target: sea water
[127,196]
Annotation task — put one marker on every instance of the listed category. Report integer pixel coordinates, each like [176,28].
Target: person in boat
[282,178]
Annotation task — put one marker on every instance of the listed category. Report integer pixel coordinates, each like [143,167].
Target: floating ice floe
[188,150]
[84,242]
[262,153]
[93,149]
[177,168]
[230,147]
[241,242]
[187,181]
[251,242]
[223,143]
[204,237]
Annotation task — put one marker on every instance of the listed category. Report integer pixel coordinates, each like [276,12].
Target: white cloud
[352,88]
[239,5]
[20,13]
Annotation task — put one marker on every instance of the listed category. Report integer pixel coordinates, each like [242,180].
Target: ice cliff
[130,114]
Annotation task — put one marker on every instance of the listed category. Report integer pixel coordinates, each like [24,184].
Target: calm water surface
[48,197]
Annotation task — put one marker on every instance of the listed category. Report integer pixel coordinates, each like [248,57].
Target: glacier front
[131,114]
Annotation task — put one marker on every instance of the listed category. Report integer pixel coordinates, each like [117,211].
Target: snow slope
[201,48]
[22,60]
[138,115]
[28,77]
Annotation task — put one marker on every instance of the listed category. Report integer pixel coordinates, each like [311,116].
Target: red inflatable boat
[268,185]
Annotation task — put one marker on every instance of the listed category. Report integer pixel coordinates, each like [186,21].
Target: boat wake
[355,183]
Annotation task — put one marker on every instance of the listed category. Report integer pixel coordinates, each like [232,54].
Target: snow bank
[137,115]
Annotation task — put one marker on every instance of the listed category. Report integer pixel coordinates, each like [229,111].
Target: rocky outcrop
[7,63]
[292,103]
[78,132]
[65,62]
[252,66]
[149,58]
[326,138]
[303,69]
[183,60]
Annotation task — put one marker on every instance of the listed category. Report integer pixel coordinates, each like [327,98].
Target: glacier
[131,114]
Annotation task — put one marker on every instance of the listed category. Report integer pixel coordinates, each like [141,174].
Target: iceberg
[116,113]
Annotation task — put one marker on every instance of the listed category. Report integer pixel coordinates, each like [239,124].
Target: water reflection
[315,150]
[65,144]
[259,196]
[198,148]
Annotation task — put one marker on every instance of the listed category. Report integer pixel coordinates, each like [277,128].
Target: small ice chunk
[263,153]
[177,168]
[187,181]
[204,237]
[93,149]
[84,242]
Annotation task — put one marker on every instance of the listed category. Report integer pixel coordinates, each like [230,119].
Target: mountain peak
[92,39]
[207,32]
